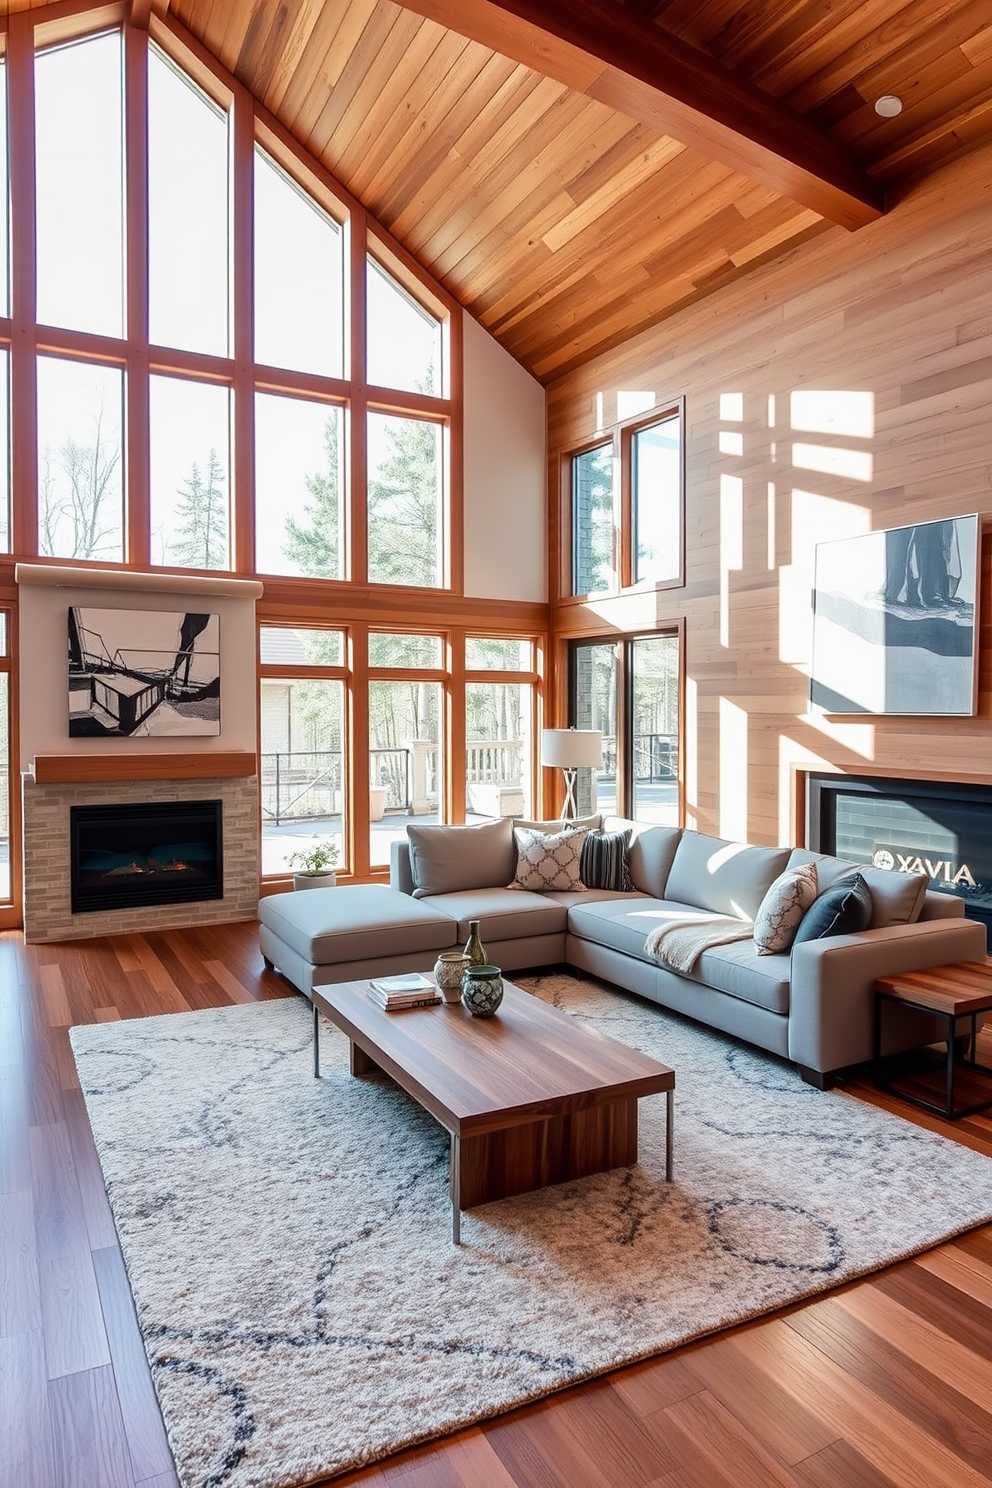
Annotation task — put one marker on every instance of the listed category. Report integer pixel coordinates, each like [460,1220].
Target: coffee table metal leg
[456,1213]
[669,1132]
[316,1043]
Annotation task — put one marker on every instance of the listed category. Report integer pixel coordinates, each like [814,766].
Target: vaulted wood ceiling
[576,170]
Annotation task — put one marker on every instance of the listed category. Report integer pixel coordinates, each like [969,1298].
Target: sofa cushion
[605,861]
[782,909]
[354,923]
[624,924]
[843,909]
[503,914]
[443,859]
[548,860]
[896,898]
[738,970]
[728,877]
[652,853]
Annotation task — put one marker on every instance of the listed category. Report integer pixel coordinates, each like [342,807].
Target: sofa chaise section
[344,934]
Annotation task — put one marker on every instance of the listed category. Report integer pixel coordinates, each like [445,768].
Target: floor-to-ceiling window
[212,359]
[630,690]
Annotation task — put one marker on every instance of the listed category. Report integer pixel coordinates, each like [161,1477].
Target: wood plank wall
[900,311]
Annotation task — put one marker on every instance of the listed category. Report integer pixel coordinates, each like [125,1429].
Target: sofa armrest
[400,872]
[831,1006]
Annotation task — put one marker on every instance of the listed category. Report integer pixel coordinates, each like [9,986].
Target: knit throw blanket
[680,943]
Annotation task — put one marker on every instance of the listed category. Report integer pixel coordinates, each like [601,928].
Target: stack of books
[394,993]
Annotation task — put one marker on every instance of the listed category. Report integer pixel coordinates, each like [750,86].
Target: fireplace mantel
[72,769]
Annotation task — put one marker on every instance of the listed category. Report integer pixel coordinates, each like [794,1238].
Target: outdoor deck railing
[306,785]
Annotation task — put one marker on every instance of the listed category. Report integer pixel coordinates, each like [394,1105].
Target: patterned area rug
[288,1240]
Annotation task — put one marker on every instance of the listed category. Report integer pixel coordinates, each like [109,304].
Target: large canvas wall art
[894,621]
[135,673]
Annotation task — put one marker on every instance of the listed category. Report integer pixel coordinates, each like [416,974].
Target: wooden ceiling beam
[611,54]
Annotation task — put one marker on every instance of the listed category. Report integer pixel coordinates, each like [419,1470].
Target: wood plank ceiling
[565,223]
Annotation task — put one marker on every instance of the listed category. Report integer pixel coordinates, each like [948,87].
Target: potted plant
[315,866]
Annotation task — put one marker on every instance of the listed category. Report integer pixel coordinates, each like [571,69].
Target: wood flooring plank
[781,1423]
[932,1387]
[922,1341]
[89,1435]
[235,989]
[45,1084]
[60,1219]
[27,1457]
[20,1285]
[54,998]
[960,1270]
[100,1227]
[15,1121]
[963,1319]
[172,950]
[839,1466]
[534,1446]
[722,1439]
[886,1438]
[75,1336]
[147,960]
[11,1044]
[656,1383]
[142,1419]
[978,1244]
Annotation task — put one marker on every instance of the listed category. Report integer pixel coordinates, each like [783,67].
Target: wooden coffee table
[530,1097]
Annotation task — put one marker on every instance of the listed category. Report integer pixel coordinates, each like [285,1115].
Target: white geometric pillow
[784,905]
[547,860]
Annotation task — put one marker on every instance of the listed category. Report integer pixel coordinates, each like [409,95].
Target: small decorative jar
[482,990]
[448,970]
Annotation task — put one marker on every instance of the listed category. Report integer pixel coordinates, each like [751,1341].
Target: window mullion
[243,556]
[137,439]
[356,514]
[23,380]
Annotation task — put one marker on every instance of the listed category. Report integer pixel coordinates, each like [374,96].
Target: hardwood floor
[884,1382]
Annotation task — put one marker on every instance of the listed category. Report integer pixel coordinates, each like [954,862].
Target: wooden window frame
[620,438]
[625,703]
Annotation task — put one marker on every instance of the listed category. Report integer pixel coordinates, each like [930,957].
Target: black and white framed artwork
[135,673]
[895,627]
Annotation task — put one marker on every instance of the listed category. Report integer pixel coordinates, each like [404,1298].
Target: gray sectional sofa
[812,1005]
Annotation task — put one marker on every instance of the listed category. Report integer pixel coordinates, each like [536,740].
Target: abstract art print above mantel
[135,673]
[895,627]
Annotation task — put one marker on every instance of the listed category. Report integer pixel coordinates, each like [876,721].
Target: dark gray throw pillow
[842,909]
[605,861]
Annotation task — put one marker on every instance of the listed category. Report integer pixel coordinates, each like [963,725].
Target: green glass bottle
[474,949]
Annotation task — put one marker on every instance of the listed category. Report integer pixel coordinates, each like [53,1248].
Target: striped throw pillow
[605,863]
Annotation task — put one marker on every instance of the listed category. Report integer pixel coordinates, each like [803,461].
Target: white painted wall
[44,689]
[506,528]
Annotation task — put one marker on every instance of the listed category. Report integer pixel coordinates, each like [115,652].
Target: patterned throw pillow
[547,861]
[605,863]
[782,908]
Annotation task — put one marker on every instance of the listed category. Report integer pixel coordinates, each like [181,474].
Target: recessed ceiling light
[888,106]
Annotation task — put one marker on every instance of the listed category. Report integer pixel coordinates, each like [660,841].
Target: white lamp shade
[571,749]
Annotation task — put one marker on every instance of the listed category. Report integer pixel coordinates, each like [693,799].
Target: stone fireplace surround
[150,770]
[47,912]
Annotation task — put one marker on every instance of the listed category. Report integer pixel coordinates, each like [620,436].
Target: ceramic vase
[482,990]
[449,969]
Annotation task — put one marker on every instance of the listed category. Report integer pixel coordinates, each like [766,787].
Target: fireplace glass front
[940,828]
[128,855]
